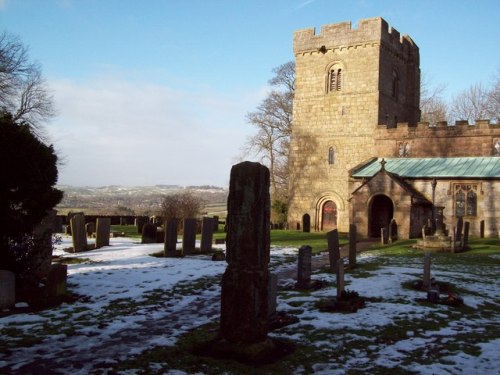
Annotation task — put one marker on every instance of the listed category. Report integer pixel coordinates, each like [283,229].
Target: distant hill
[130,200]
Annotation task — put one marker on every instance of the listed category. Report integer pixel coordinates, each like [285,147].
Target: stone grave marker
[7,289]
[207,234]
[103,231]
[90,229]
[383,236]
[340,278]
[352,244]
[170,245]
[393,231]
[466,235]
[148,233]
[426,283]
[139,223]
[189,236]
[78,233]
[333,249]
[304,267]
[216,223]
[460,225]
[272,296]
[57,280]
[244,298]
[453,240]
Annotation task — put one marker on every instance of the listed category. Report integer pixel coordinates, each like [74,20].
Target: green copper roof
[481,167]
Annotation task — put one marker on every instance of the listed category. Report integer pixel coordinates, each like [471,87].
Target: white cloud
[113,131]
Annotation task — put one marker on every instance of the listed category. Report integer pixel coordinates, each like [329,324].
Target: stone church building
[358,151]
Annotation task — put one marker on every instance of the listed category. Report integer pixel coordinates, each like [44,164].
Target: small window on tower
[331,156]
[335,78]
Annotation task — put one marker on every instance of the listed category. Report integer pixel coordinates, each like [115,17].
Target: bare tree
[471,104]
[23,91]
[432,106]
[493,101]
[273,121]
[181,205]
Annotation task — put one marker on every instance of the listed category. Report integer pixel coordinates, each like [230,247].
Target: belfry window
[465,197]
[331,156]
[335,79]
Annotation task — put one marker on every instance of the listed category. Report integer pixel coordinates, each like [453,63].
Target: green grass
[129,230]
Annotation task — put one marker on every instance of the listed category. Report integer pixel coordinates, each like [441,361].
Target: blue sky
[156,92]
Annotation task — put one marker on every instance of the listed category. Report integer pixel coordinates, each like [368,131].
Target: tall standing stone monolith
[352,244]
[103,231]
[189,236]
[244,298]
[170,245]
[207,234]
[304,267]
[78,233]
[332,238]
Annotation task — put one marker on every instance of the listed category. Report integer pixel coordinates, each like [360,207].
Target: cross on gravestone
[333,249]
[304,267]
[426,283]
[103,231]
[340,277]
[244,298]
[7,289]
[170,244]
[352,244]
[189,236]
[466,235]
[78,233]
[207,234]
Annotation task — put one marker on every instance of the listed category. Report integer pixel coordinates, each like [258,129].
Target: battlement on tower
[424,129]
[338,35]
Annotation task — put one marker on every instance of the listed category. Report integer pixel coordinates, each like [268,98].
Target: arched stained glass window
[471,203]
[465,200]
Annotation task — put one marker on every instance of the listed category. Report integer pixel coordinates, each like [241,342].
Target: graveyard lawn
[148,314]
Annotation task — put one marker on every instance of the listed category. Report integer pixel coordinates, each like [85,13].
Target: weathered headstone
[78,233]
[216,223]
[333,249]
[453,240]
[393,231]
[39,262]
[207,234]
[7,289]
[424,231]
[306,223]
[426,283]
[57,279]
[481,229]
[304,267]
[148,233]
[460,225]
[103,230]
[272,290]
[340,277]
[466,235]
[139,223]
[170,245]
[383,236]
[244,299]
[352,244]
[189,236]
[90,228]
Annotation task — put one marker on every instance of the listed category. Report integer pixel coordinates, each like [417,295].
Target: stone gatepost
[170,245]
[304,268]
[7,289]
[189,236]
[103,230]
[78,233]
[426,283]
[352,244]
[244,298]
[207,234]
[332,238]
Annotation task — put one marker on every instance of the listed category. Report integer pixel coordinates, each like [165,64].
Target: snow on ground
[135,302]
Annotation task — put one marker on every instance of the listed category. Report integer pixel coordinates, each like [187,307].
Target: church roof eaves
[458,167]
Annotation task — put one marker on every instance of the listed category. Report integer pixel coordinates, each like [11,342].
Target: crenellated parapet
[441,127]
[342,35]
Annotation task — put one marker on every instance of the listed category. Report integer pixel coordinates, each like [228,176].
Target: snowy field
[134,303]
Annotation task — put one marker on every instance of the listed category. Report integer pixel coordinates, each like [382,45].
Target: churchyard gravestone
[90,229]
[189,236]
[340,278]
[466,235]
[139,223]
[460,225]
[78,233]
[352,244]
[57,280]
[244,298]
[272,295]
[170,246]
[148,233]
[216,223]
[40,260]
[453,240]
[304,267]
[7,289]
[103,231]
[426,282]
[393,231]
[306,223]
[207,234]
[383,236]
[333,249]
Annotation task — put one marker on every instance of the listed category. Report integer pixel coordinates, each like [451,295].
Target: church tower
[348,81]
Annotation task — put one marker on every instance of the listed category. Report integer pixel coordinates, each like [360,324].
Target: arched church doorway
[329,216]
[380,215]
